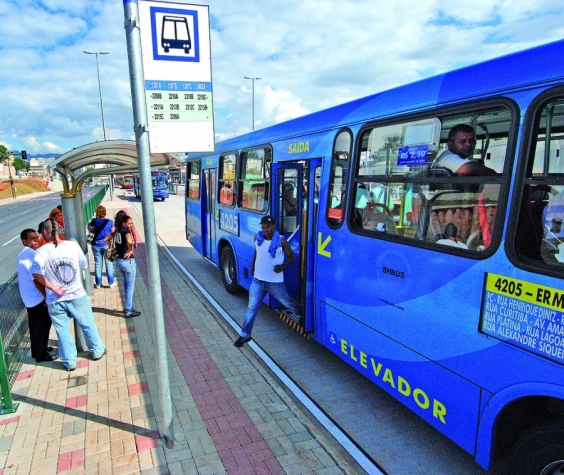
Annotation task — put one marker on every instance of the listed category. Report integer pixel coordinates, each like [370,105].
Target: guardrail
[90,206]
[14,331]
[14,340]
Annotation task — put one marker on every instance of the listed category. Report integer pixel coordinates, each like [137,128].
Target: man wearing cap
[272,255]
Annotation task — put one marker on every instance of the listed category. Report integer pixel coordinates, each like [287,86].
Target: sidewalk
[230,415]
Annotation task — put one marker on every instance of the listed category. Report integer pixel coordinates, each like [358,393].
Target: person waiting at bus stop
[272,255]
[458,157]
[101,227]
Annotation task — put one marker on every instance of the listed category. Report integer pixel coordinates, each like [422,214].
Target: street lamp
[99,86]
[253,79]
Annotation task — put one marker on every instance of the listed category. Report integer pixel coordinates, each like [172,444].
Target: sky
[310,54]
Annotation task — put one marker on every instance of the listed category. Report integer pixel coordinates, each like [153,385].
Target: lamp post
[99,86]
[253,79]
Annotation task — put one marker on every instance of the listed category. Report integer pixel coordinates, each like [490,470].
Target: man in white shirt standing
[272,255]
[458,157]
[33,297]
[59,263]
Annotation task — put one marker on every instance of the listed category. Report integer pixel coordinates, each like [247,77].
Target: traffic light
[24,155]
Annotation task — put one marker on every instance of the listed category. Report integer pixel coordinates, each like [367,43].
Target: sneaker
[96,286]
[239,342]
[68,367]
[112,286]
[101,356]
[132,313]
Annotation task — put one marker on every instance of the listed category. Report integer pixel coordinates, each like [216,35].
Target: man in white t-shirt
[33,297]
[272,255]
[59,263]
[451,237]
[458,157]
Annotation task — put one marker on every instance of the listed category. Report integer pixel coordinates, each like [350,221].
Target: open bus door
[295,204]
[208,213]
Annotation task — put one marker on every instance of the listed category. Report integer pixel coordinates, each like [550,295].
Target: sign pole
[136,75]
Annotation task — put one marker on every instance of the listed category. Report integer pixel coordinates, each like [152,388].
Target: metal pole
[100,91]
[133,36]
[72,214]
[100,87]
[253,88]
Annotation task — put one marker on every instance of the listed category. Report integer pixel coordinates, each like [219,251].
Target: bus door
[208,214]
[295,204]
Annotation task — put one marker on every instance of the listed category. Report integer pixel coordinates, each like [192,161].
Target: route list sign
[524,314]
[175,40]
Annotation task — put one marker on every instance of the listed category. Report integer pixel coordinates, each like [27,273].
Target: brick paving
[230,415]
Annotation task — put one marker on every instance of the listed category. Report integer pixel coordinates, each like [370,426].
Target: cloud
[310,55]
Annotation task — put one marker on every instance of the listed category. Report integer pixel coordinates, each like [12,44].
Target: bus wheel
[228,271]
[540,450]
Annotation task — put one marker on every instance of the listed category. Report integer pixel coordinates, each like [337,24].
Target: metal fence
[13,327]
[14,331]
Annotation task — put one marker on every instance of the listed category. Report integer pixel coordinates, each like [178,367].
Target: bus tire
[540,450]
[229,271]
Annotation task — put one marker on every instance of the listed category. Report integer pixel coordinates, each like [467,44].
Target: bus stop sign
[175,39]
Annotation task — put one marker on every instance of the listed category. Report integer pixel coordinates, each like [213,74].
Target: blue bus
[470,338]
[160,185]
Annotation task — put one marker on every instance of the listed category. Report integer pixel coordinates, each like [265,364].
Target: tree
[19,164]
[4,155]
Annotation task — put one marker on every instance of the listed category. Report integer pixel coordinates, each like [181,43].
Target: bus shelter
[77,166]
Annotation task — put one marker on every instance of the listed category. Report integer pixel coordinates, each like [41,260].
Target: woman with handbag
[125,262]
[99,229]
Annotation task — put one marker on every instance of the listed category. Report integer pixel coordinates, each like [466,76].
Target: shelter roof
[118,153]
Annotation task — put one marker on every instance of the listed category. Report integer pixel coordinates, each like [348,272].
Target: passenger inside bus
[451,237]
[553,231]
[289,201]
[458,157]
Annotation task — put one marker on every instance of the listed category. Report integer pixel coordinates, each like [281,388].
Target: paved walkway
[230,415]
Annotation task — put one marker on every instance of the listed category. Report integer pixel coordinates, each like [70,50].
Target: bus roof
[494,77]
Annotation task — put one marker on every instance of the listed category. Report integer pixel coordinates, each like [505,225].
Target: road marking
[10,240]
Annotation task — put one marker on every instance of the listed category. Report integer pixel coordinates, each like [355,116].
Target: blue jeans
[128,269]
[257,292]
[81,310]
[99,253]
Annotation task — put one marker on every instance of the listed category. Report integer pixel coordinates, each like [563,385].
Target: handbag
[91,238]
[111,252]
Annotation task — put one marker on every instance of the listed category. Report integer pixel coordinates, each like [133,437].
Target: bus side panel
[193,213]
[447,402]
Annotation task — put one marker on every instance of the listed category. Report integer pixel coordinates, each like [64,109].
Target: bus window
[193,172]
[540,234]
[254,180]
[338,184]
[227,179]
[398,193]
